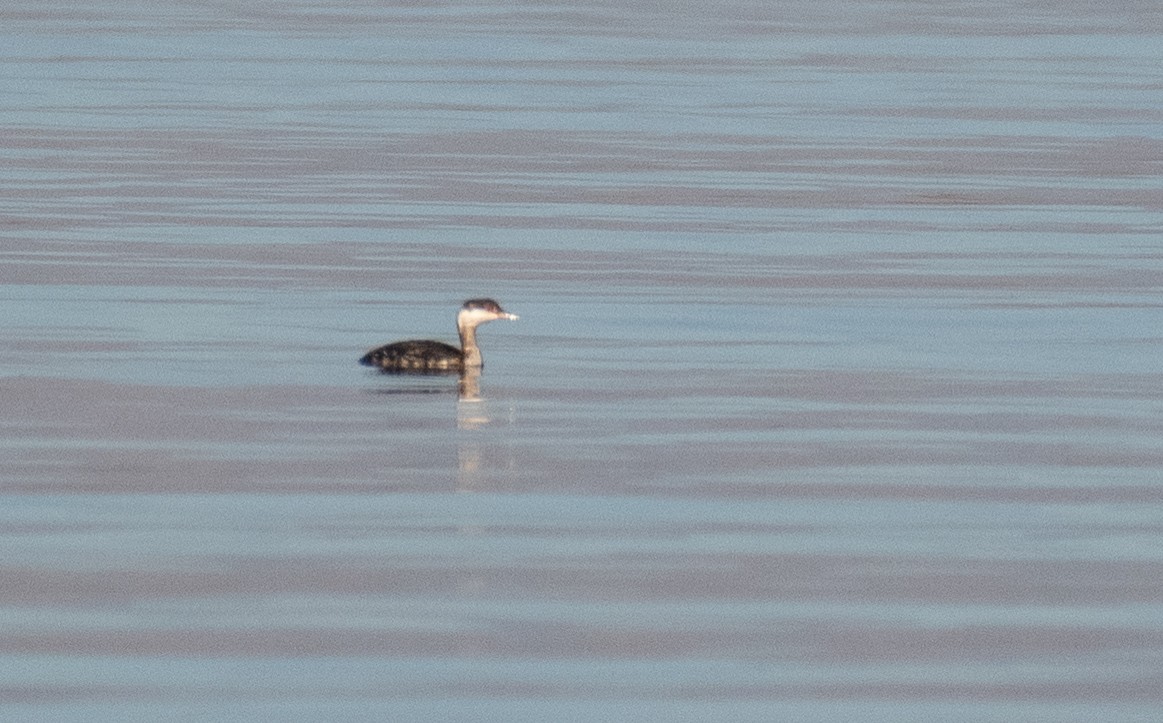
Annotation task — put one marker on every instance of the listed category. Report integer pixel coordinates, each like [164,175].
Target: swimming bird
[436,356]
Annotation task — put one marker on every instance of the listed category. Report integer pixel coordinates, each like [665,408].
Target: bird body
[420,355]
[415,355]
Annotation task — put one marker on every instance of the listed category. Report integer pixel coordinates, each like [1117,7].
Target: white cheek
[477,316]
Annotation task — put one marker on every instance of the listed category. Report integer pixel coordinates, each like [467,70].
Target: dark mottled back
[419,356]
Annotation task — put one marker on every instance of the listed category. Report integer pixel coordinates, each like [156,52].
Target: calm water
[836,392]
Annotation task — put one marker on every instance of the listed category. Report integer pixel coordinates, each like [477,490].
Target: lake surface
[836,392]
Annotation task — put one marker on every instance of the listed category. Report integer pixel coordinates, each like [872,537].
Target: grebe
[435,356]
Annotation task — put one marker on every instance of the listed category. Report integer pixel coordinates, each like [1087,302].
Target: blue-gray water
[836,392]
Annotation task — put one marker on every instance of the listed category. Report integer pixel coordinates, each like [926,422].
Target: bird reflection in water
[433,359]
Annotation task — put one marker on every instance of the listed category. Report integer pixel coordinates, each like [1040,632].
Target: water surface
[835,393]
